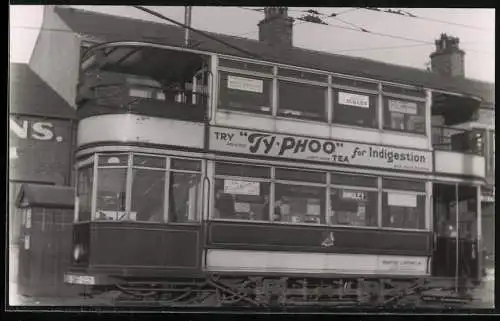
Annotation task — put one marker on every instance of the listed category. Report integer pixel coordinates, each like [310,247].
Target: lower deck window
[185,197]
[403,210]
[84,192]
[299,204]
[353,207]
[111,191]
[139,190]
[241,199]
[148,195]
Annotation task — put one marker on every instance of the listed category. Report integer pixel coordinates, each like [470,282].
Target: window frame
[372,95]
[86,164]
[127,185]
[417,194]
[421,106]
[200,205]
[129,182]
[268,180]
[328,185]
[354,187]
[243,73]
[296,81]
[386,89]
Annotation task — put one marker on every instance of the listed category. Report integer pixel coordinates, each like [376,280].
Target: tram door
[450,260]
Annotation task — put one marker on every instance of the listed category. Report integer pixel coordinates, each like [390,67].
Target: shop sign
[29,129]
[317,149]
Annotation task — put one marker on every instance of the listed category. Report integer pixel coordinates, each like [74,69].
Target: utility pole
[187,22]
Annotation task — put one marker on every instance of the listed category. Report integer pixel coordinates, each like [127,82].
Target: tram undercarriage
[272,292]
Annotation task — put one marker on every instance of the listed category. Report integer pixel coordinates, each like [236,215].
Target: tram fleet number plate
[79,279]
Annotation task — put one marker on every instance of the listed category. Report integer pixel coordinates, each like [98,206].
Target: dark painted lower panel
[278,237]
[135,246]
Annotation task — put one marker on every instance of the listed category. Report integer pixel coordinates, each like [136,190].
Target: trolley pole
[187,22]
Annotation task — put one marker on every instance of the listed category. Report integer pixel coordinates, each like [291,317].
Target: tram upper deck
[177,92]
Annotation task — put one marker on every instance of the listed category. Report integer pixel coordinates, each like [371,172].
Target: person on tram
[224,205]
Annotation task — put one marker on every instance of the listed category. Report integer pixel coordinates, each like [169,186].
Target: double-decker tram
[210,179]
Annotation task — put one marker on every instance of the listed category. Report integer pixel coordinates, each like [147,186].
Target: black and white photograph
[260,158]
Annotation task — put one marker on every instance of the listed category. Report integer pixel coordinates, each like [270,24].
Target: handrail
[457,139]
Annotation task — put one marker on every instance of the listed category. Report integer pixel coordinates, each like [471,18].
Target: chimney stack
[448,59]
[277,27]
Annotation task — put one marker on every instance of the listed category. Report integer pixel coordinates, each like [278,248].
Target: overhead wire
[364,30]
[214,38]
[407,14]
[299,21]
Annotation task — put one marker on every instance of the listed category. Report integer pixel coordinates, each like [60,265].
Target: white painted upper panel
[139,129]
[456,163]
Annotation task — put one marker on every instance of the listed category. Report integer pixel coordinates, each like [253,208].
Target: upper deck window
[355,108]
[303,101]
[404,115]
[245,93]
[143,80]
[404,109]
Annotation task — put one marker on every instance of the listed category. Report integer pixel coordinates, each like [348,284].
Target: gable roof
[38,195]
[110,28]
[29,94]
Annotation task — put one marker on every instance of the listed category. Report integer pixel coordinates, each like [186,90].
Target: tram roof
[108,28]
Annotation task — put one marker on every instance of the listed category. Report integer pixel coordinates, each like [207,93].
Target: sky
[406,41]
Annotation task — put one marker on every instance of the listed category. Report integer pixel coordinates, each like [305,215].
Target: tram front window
[84,192]
[185,197]
[148,194]
[111,190]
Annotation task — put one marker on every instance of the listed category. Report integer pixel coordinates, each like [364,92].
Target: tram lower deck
[154,218]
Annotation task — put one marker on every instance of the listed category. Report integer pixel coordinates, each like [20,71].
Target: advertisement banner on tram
[317,149]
